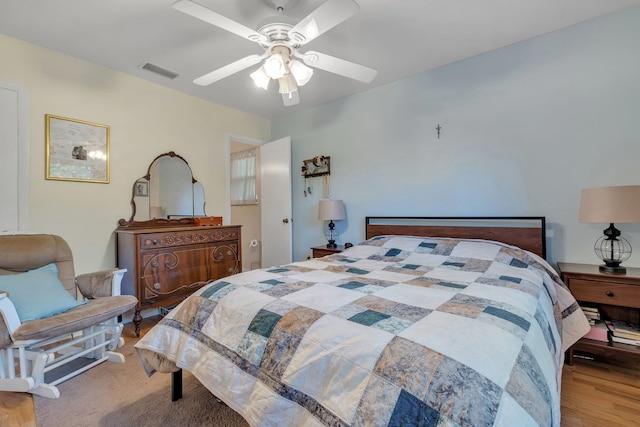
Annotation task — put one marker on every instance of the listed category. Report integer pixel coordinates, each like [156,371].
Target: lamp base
[613,250]
[612,269]
[331,236]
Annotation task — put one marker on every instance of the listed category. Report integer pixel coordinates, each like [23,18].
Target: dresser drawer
[182,238]
[170,272]
[605,293]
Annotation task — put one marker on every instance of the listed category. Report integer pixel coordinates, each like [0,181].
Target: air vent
[159,70]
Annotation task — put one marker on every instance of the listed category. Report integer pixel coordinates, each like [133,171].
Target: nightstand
[617,297]
[320,251]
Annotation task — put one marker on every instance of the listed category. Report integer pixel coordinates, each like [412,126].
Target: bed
[436,324]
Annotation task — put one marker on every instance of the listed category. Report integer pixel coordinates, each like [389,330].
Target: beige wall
[145,119]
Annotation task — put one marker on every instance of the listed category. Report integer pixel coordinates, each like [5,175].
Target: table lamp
[331,210]
[611,205]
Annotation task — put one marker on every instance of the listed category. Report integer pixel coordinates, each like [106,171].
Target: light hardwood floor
[601,394]
[594,394]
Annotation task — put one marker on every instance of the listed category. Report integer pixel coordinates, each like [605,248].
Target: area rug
[122,395]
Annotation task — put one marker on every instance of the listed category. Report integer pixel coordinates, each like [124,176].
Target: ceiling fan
[281,41]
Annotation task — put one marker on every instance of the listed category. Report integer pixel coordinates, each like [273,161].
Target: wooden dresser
[166,264]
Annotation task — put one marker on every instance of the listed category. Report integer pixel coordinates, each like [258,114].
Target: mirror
[167,194]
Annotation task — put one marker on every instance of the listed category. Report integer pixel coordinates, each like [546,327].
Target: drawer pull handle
[156,286]
[609,294]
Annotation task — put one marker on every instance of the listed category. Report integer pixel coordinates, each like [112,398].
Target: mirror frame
[158,222]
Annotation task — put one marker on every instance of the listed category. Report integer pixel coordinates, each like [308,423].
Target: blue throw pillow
[38,293]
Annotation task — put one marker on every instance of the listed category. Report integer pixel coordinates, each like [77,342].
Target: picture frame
[318,166]
[76,150]
[141,189]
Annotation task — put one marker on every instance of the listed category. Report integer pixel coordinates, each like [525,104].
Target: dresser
[166,264]
[617,297]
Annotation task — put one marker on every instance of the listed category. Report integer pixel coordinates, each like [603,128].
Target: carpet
[113,394]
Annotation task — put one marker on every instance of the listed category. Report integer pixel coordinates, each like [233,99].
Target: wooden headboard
[525,232]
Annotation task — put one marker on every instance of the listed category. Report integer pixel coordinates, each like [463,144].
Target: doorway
[14,162]
[266,225]
[247,215]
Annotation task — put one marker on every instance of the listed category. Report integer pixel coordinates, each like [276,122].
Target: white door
[275,200]
[14,173]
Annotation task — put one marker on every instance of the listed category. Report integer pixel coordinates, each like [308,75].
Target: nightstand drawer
[320,251]
[605,293]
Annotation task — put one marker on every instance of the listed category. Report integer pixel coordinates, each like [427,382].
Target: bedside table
[617,297]
[320,251]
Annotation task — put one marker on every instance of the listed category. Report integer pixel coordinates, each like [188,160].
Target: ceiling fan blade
[338,66]
[228,70]
[211,17]
[325,17]
[289,99]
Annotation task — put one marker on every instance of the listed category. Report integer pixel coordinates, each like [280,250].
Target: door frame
[22,142]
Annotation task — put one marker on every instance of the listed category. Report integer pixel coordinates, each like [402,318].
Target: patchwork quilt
[395,331]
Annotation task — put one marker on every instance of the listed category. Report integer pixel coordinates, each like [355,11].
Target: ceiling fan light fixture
[260,78]
[281,38]
[275,66]
[301,72]
[287,84]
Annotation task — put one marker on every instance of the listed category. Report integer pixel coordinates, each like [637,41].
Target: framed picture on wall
[76,150]
[318,166]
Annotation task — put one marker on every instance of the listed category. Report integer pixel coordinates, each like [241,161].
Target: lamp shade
[301,72]
[260,78]
[287,84]
[610,204]
[275,66]
[331,210]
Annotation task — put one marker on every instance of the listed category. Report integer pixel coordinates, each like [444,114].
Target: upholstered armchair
[43,322]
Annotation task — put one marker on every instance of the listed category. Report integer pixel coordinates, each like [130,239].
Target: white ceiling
[399,38]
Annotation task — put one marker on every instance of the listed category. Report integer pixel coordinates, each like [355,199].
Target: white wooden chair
[30,349]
